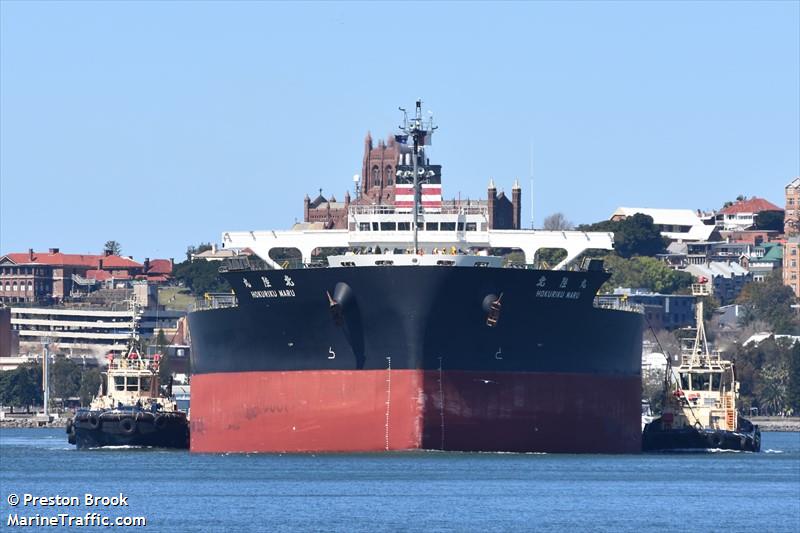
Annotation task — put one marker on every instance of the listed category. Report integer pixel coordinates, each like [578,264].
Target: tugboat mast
[420,134]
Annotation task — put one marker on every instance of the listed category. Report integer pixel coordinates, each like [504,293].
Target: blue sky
[161,125]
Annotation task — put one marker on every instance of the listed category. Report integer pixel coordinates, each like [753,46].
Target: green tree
[200,248]
[22,387]
[771,389]
[201,276]
[770,301]
[112,247]
[793,386]
[770,220]
[646,273]
[65,379]
[634,235]
[90,385]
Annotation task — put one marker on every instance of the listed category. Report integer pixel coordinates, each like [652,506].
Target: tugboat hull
[656,438]
[95,429]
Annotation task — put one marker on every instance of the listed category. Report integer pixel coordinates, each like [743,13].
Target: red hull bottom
[362,410]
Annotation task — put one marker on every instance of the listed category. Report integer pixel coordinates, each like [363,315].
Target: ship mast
[420,133]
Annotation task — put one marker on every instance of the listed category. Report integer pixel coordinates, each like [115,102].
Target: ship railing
[618,304]
[702,359]
[445,209]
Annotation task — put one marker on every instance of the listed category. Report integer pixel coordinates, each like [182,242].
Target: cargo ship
[414,334]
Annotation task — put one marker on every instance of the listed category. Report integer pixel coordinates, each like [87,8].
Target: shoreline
[766,423]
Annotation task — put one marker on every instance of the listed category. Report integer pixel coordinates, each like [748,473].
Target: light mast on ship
[420,133]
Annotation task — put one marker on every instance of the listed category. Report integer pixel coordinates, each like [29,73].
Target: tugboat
[700,411]
[131,408]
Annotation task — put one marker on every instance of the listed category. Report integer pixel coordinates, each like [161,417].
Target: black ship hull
[657,438]
[96,429]
[372,358]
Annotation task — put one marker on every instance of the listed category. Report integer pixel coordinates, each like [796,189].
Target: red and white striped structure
[430,199]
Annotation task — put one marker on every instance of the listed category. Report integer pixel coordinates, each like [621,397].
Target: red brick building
[53,276]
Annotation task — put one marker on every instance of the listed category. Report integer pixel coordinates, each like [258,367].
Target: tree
[771,302]
[65,379]
[112,248]
[90,385]
[637,235]
[634,235]
[200,248]
[793,387]
[770,220]
[645,273]
[201,276]
[557,222]
[21,387]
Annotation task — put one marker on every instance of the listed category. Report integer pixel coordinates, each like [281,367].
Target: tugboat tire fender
[715,439]
[159,422]
[127,426]
[94,421]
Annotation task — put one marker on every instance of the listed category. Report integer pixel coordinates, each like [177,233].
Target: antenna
[531,175]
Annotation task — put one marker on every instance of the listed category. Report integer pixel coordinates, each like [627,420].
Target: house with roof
[764,259]
[54,276]
[727,278]
[742,214]
[674,224]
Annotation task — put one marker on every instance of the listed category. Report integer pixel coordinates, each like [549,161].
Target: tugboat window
[132,384]
[699,382]
[685,381]
[404,226]
[145,384]
[715,381]
[119,382]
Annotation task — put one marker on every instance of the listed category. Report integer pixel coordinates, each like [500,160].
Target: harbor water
[415,491]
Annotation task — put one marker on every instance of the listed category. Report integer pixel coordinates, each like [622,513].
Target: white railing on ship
[618,304]
[461,209]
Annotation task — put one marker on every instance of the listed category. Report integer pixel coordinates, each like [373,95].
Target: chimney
[100,264]
[146,264]
[53,250]
[172,261]
[30,254]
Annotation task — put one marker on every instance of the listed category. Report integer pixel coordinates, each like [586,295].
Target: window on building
[363,226]
[376,176]
[388,226]
[389,176]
